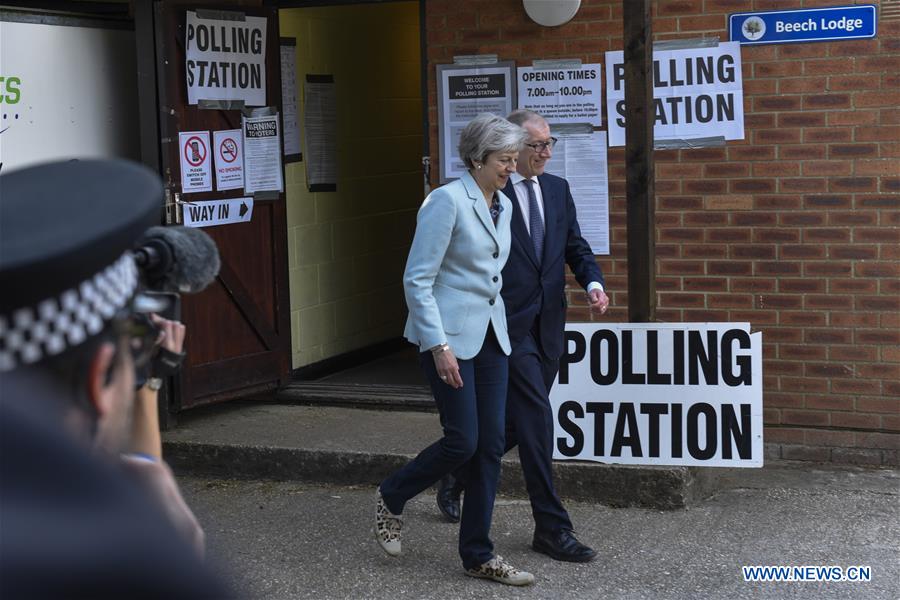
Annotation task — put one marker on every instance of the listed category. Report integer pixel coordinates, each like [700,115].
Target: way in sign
[218,212]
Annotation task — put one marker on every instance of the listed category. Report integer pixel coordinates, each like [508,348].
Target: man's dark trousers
[529,424]
[535,300]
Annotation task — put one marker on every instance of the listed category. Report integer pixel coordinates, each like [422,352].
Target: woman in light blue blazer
[456,318]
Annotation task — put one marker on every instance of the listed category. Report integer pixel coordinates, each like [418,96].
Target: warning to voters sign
[687,394]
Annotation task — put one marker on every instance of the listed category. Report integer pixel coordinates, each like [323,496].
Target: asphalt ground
[290,540]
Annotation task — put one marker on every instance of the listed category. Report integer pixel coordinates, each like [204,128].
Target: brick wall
[795,229]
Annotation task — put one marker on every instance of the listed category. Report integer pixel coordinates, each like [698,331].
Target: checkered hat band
[33,333]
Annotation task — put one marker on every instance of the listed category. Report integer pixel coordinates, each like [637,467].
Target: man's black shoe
[562,545]
[448,492]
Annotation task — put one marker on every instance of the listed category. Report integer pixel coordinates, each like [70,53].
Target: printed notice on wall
[229,159]
[698,93]
[225,59]
[289,101]
[320,128]
[196,174]
[464,92]
[262,154]
[687,394]
[581,159]
[566,95]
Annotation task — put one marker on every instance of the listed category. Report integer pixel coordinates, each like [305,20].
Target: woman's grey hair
[489,133]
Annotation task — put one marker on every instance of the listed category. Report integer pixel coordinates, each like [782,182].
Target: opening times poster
[564,95]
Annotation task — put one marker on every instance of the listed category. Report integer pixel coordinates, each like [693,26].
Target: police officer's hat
[65,268]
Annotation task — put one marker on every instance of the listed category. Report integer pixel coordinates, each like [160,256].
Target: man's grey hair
[489,133]
[520,116]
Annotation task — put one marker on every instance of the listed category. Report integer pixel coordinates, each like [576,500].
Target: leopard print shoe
[387,527]
[500,570]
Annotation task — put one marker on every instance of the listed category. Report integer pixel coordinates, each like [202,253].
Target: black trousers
[529,424]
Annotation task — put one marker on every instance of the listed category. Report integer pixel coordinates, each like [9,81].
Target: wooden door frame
[151,70]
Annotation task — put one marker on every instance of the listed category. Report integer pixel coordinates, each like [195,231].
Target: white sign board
[66,92]
[563,95]
[289,102]
[218,212]
[227,148]
[698,93]
[580,159]
[464,92]
[196,174]
[262,154]
[226,60]
[320,129]
[686,394]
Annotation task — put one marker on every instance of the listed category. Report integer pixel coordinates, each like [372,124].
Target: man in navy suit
[545,238]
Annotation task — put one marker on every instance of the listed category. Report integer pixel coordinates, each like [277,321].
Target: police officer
[76,523]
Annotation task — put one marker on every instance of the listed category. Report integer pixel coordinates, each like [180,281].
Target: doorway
[347,246]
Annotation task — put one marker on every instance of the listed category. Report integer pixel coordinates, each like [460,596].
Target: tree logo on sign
[753,28]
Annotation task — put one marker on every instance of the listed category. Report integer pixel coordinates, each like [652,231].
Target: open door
[238,328]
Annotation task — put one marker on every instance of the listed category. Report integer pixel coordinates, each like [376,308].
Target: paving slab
[354,446]
[292,540]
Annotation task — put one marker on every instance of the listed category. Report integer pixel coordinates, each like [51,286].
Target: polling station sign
[225,59]
[697,93]
[804,25]
[687,394]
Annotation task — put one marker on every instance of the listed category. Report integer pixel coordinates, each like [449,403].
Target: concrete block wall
[795,229]
[347,248]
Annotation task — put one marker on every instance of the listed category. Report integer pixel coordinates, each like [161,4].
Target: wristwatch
[154,383]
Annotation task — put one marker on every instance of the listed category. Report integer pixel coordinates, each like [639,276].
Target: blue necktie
[535,224]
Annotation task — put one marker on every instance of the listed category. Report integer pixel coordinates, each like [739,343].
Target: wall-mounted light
[551,13]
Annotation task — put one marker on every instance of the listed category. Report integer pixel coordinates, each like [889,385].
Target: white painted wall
[77,93]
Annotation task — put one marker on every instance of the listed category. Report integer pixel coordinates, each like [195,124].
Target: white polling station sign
[697,93]
[225,59]
[218,212]
[687,394]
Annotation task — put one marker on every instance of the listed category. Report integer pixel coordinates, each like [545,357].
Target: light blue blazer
[453,274]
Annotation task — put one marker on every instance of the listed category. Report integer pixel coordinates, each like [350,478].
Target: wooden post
[639,176]
[148,107]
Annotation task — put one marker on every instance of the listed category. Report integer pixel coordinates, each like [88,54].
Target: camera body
[171,260]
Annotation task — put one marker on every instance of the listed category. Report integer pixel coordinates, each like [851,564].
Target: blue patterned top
[496,208]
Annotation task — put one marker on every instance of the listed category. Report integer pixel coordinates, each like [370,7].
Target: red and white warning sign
[229,159]
[196,174]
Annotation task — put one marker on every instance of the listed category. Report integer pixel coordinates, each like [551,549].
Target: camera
[171,261]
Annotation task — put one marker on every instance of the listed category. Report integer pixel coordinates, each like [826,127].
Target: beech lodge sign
[827,24]
[686,394]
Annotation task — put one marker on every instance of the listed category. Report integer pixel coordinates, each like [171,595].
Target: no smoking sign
[229,159]
[228,150]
